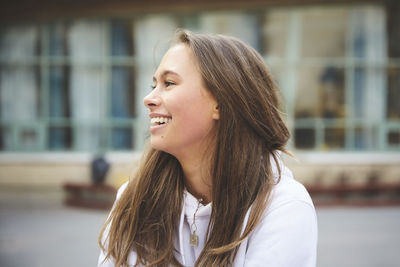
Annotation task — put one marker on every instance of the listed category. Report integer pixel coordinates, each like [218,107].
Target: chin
[161,146]
[155,145]
[158,144]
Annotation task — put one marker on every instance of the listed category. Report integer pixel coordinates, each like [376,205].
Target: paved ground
[38,231]
[42,233]
[359,237]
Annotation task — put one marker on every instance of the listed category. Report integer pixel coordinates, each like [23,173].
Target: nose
[151,100]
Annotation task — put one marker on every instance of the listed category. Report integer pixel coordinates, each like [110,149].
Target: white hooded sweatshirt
[285,237]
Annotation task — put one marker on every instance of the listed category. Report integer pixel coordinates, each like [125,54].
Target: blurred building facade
[73,75]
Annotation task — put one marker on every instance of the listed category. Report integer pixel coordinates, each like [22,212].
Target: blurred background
[72,124]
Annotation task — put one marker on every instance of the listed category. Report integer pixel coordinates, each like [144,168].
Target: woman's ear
[215,114]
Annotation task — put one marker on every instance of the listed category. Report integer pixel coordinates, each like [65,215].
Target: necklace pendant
[194,240]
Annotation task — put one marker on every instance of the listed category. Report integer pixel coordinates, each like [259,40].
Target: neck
[197,178]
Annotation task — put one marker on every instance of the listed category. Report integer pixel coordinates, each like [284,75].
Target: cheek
[195,119]
[192,113]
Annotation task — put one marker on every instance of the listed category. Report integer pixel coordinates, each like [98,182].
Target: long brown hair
[249,132]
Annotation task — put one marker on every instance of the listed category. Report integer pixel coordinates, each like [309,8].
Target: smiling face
[182,111]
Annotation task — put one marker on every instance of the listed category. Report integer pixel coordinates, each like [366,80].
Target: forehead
[178,59]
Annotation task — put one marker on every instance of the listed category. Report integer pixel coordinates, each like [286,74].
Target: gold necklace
[194,239]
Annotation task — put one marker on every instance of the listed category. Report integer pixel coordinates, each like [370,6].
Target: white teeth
[159,120]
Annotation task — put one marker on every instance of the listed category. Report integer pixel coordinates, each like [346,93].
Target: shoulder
[287,191]
[122,189]
[290,207]
[289,212]
[289,224]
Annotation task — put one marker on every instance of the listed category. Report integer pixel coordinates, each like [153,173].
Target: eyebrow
[165,73]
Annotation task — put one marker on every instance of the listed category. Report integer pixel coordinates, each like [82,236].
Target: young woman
[211,189]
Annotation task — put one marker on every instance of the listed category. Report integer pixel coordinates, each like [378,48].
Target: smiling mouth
[160,121]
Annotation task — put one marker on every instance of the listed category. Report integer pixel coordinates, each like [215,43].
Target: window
[68,86]
[339,82]
[78,85]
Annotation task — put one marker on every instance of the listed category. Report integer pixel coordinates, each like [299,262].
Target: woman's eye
[169,83]
[152,87]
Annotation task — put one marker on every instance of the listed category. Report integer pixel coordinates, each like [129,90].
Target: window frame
[44,62]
